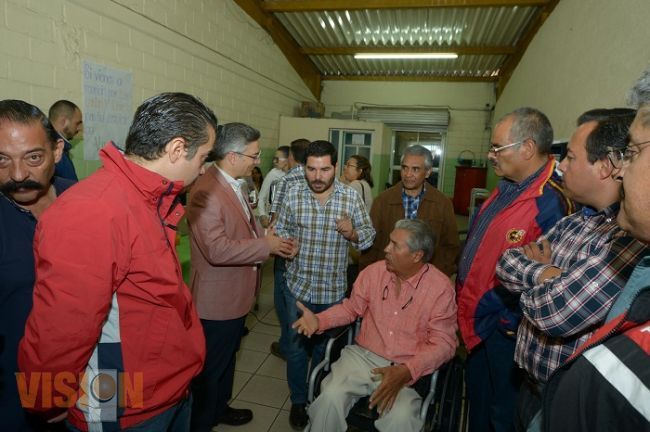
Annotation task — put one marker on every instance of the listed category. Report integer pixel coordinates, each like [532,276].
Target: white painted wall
[209,48]
[467,103]
[587,55]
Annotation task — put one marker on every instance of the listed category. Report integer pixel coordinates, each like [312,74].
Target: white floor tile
[249,361]
[273,367]
[270,329]
[281,423]
[265,391]
[258,341]
[240,380]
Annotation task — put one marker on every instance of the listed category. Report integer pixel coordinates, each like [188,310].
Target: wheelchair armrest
[426,400]
[338,338]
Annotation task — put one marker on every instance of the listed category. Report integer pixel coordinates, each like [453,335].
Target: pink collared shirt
[417,329]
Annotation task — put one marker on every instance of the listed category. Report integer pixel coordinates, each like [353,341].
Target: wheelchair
[444,402]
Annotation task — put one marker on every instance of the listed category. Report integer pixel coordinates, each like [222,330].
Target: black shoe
[275,350]
[246,331]
[235,417]
[298,417]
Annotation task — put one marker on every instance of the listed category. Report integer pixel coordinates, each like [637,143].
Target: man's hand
[394,378]
[280,246]
[540,253]
[549,273]
[265,221]
[308,323]
[344,227]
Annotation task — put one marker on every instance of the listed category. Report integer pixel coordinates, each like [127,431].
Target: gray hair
[639,97]
[418,150]
[531,123]
[422,237]
[234,137]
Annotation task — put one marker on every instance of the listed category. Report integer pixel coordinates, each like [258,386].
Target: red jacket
[109,297]
[481,308]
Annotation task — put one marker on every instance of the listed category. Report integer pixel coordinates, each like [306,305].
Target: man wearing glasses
[604,385]
[526,203]
[570,276]
[227,246]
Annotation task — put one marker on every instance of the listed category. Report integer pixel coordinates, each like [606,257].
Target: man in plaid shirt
[324,216]
[569,277]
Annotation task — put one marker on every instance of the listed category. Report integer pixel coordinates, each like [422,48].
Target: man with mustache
[324,216]
[570,276]
[526,203]
[605,385]
[29,149]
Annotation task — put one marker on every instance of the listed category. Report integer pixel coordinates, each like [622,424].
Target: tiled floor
[260,378]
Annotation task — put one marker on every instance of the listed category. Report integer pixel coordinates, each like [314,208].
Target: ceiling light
[403,56]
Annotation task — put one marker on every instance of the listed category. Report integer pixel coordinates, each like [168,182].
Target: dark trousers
[493,381]
[529,402]
[212,388]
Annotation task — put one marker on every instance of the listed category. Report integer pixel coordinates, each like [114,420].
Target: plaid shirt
[294,176]
[411,203]
[596,258]
[318,273]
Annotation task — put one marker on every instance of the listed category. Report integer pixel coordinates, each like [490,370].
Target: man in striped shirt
[324,216]
[569,277]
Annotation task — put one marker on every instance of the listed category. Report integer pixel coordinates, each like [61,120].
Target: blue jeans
[299,347]
[174,419]
[279,287]
[493,381]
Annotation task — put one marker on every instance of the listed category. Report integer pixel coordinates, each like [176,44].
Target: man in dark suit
[227,246]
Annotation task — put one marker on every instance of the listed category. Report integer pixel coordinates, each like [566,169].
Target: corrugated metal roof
[320,37]
[439,28]
[494,26]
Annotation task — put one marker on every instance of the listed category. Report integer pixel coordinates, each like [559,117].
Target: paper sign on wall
[107,106]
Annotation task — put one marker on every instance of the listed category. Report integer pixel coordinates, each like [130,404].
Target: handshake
[285,248]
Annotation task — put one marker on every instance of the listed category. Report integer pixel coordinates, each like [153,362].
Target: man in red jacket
[526,203]
[113,339]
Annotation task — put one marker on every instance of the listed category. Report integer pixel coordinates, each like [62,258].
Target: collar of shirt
[507,185]
[608,212]
[407,284]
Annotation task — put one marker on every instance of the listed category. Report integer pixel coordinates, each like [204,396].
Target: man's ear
[604,167]
[417,256]
[529,149]
[176,149]
[58,150]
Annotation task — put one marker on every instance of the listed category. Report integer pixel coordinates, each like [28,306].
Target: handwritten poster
[107,106]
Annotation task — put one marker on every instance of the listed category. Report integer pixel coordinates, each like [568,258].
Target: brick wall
[209,48]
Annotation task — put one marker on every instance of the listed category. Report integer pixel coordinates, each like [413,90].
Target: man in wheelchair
[408,330]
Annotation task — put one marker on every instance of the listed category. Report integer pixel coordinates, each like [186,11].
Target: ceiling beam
[407,78]
[330,5]
[513,60]
[306,69]
[468,50]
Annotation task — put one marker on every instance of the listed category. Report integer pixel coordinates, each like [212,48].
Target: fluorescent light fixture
[404,56]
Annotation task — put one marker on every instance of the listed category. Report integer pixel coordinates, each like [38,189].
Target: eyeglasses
[620,157]
[498,149]
[350,165]
[256,156]
[384,294]
[278,159]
